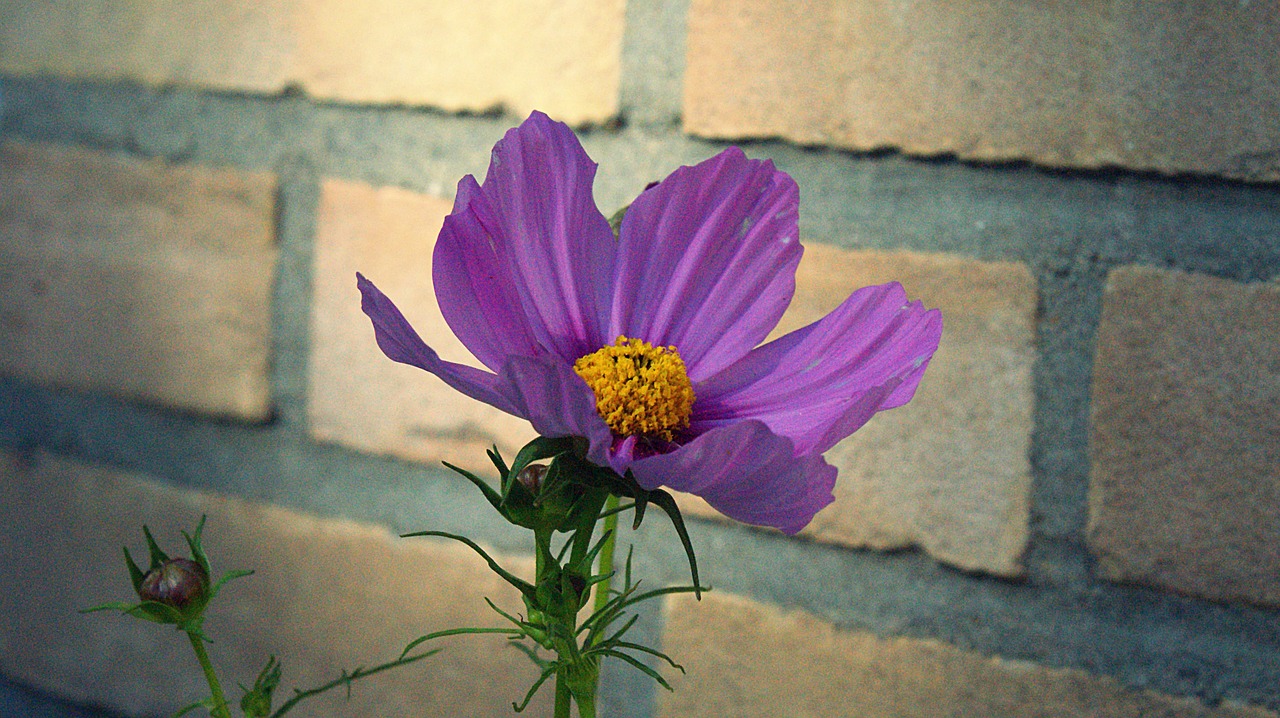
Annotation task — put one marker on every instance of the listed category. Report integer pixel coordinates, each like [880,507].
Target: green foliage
[189,617]
[571,498]
[256,702]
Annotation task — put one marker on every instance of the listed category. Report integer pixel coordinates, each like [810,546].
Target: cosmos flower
[648,344]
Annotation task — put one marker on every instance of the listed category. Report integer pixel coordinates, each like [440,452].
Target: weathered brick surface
[1185,484]
[145,280]
[560,57]
[747,659]
[358,397]
[327,595]
[1187,87]
[949,472]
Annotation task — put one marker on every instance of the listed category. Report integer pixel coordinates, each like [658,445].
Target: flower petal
[556,401]
[524,264]
[401,343]
[747,473]
[822,382]
[473,288]
[707,260]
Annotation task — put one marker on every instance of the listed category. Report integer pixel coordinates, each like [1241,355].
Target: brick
[144,280]
[950,471]
[328,594]
[560,57]
[358,397]
[1185,477]
[1183,88]
[747,659]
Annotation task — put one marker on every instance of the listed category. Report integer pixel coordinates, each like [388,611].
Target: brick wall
[1079,514]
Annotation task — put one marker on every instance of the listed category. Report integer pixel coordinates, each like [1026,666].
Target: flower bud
[178,582]
[531,477]
[256,703]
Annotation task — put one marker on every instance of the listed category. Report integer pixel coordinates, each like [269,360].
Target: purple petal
[401,343]
[707,260]
[821,383]
[476,295]
[747,473]
[556,401]
[524,264]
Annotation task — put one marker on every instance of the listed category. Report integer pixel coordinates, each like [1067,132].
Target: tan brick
[560,57]
[358,397]
[144,280]
[747,659]
[949,472]
[1085,84]
[327,595]
[1185,486]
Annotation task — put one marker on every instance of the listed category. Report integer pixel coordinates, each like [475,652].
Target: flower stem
[587,706]
[606,552]
[564,699]
[219,709]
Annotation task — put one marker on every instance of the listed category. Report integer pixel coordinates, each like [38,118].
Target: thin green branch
[457,632]
[219,708]
[346,679]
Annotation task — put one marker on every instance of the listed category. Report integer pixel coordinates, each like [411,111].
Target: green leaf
[667,503]
[490,494]
[533,690]
[642,503]
[455,632]
[606,614]
[113,606]
[227,577]
[522,625]
[651,651]
[346,679]
[618,509]
[661,592]
[613,640]
[626,577]
[532,654]
[590,558]
[521,585]
[637,664]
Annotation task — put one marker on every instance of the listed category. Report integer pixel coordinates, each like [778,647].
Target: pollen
[640,389]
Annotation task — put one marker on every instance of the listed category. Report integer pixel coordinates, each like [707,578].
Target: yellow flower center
[640,388]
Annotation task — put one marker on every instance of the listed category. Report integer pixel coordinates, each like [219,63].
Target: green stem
[563,698]
[606,552]
[346,679]
[219,709]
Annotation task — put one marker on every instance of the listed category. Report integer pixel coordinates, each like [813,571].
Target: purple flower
[648,344]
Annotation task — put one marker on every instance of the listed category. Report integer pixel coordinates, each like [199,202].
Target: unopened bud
[176,582]
[531,477]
